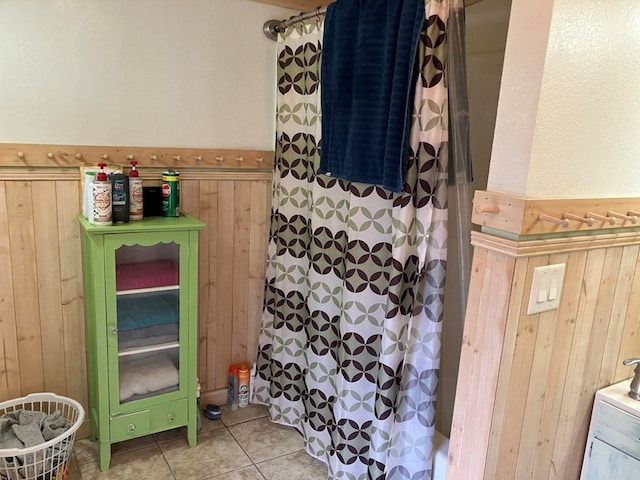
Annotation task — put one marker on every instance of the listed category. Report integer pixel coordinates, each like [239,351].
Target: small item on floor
[243,385]
[212,412]
[232,390]
[198,409]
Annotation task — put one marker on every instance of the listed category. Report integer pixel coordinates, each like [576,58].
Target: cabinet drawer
[169,415]
[131,425]
[619,429]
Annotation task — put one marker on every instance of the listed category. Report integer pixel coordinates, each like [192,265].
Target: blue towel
[367,78]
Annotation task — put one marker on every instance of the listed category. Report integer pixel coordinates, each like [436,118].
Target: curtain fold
[349,347]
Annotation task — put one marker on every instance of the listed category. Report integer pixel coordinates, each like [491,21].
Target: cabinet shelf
[148,290]
[150,348]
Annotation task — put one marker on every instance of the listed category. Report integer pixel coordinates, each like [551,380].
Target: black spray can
[120,197]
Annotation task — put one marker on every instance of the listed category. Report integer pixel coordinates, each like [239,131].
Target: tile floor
[242,445]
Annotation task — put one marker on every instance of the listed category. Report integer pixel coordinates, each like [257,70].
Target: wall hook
[219,159]
[154,157]
[563,222]
[570,216]
[105,156]
[177,158]
[130,157]
[632,219]
[602,218]
[492,210]
[239,159]
[50,155]
[21,155]
[79,156]
[199,158]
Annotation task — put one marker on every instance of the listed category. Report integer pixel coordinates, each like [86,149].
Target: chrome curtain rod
[272,28]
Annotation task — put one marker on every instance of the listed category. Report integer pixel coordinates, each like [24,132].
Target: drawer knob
[131,428]
[171,418]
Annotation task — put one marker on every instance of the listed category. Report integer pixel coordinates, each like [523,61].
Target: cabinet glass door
[144,324]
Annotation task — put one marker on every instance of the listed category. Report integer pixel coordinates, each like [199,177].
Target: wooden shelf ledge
[33,156]
[522,217]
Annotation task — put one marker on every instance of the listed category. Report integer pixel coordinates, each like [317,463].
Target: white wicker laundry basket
[46,461]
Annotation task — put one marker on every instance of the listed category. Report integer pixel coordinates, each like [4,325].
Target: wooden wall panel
[481,352]
[42,322]
[550,364]
[9,369]
[232,269]
[558,368]
[49,292]
[68,199]
[25,284]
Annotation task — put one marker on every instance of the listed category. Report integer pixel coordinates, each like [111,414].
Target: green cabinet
[141,282]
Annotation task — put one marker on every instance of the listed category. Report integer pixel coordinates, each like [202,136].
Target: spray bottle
[232,390]
[243,385]
[101,198]
[135,193]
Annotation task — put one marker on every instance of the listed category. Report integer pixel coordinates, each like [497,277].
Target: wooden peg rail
[522,216]
[18,155]
[563,222]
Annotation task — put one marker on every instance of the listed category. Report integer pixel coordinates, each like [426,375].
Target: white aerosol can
[135,193]
[101,198]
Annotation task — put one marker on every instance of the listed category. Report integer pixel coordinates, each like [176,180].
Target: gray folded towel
[24,429]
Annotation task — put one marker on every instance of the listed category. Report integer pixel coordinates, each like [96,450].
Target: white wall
[569,112]
[196,73]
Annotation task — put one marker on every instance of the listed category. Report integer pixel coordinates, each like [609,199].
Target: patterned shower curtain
[350,341]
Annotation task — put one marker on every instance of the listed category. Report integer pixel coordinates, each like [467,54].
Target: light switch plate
[546,288]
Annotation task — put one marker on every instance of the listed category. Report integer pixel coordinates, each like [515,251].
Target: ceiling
[310,5]
[302,5]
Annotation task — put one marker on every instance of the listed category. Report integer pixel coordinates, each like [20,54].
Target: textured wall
[569,105]
[150,72]
[586,137]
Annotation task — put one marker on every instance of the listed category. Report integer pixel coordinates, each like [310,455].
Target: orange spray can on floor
[243,385]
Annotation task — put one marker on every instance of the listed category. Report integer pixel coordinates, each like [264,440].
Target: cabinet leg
[192,433]
[92,431]
[105,456]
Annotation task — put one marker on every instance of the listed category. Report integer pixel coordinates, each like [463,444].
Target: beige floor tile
[208,425]
[264,440]
[73,470]
[177,433]
[246,473]
[86,451]
[141,464]
[295,466]
[244,445]
[215,453]
[250,412]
